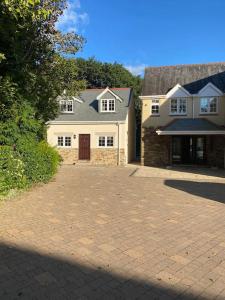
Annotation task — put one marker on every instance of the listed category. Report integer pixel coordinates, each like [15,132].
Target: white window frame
[67,105]
[177,113]
[106,138]
[107,109]
[155,102]
[208,112]
[64,141]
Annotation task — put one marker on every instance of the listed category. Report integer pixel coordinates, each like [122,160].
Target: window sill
[64,147]
[208,114]
[66,112]
[174,115]
[154,115]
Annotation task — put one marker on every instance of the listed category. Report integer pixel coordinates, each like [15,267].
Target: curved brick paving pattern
[98,233]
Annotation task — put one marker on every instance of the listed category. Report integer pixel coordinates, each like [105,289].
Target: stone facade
[98,156]
[215,146]
[155,150]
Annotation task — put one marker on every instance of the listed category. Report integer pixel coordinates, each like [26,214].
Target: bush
[40,160]
[30,162]
[12,175]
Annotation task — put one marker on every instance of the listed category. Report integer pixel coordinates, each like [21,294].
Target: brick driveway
[98,233]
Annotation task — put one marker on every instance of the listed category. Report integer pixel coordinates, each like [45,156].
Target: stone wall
[69,156]
[215,146]
[155,149]
[98,156]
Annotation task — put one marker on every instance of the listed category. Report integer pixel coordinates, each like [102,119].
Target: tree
[29,53]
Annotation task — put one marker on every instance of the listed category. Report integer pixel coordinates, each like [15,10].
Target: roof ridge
[98,89]
[184,65]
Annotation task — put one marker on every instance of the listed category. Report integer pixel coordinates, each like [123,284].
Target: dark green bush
[40,160]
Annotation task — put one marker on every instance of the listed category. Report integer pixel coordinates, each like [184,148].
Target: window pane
[155,109]
[182,106]
[62,105]
[173,105]
[101,141]
[67,141]
[104,105]
[60,141]
[213,104]
[69,105]
[111,105]
[204,105]
[109,141]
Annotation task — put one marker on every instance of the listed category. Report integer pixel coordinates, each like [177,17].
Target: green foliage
[12,175]
[29,47]
[40,160]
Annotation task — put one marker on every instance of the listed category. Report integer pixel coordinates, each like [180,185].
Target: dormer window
[178,106]
[108,105]
[66,106]
[208,105]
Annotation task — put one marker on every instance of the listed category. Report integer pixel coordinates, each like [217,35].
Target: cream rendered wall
[93,129]
[149,120]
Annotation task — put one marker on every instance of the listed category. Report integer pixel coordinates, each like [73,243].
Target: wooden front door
[84,146]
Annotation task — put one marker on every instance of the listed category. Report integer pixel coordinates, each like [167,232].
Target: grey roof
[199,124]
[88,109]
[159,80]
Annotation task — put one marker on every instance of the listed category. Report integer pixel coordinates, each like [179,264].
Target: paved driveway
[99,233]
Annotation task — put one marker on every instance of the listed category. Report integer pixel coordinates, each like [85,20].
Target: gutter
[218,132]
[83,122]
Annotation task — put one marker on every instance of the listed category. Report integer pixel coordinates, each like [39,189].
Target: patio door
[189,150]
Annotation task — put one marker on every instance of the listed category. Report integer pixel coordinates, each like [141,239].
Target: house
[183,115]
[97,127]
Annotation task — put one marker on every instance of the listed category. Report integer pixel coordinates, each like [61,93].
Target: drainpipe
[193,108]
[118,146]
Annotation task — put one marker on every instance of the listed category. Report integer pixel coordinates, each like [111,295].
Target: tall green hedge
[29,162]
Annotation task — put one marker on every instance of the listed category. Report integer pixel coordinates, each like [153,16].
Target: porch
[185,142]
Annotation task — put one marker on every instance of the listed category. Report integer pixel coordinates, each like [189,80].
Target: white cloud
[72,19]
[136,70]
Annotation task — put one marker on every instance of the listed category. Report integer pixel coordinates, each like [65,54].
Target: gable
[177,92]
[210,90]
[107,95]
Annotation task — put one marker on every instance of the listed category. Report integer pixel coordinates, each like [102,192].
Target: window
[105,141]
[66,106]
[178,106]
[64,141]
[109,141]
[155,107]
[108,105]
[208,105]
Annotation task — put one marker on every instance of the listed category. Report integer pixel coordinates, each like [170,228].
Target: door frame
[80,148]
[192,156]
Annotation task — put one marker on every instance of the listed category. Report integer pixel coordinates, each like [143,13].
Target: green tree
[29,53]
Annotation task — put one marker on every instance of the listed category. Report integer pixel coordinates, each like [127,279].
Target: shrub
[40,160]
[11,170]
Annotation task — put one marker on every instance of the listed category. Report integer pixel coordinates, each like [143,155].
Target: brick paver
[99,233]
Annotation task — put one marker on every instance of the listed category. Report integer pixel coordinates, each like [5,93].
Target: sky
[148,32]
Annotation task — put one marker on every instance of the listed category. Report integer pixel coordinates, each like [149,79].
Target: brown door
[84,146]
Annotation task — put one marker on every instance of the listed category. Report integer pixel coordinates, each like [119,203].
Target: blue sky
[149,32]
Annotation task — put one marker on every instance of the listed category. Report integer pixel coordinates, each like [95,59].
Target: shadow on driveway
[209,190]
[26,274]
